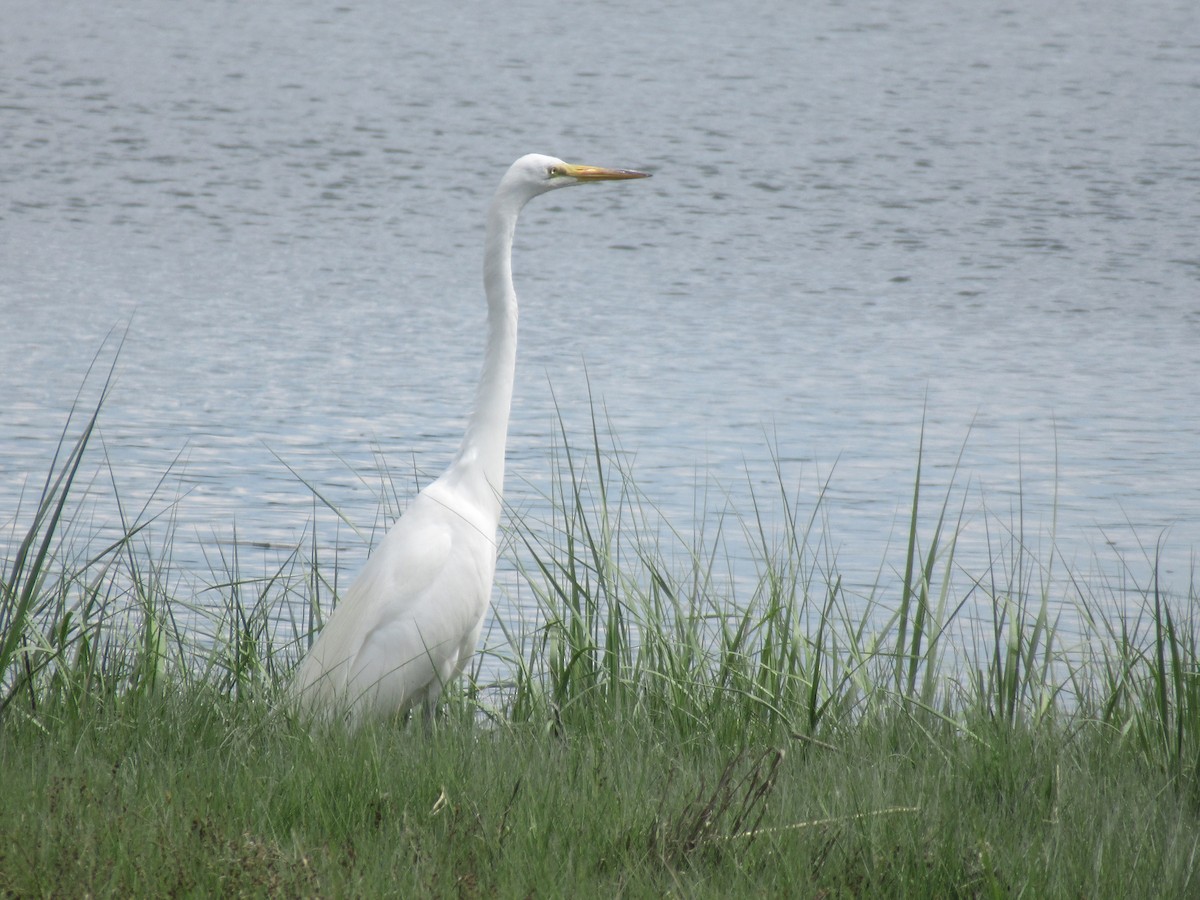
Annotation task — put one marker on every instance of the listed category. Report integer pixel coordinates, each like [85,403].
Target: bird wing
[398,634]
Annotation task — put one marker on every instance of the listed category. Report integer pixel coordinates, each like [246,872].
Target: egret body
[410,621]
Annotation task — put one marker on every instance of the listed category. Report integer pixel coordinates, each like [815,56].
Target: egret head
[535,174]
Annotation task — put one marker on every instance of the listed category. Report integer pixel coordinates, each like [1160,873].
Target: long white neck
[479,465]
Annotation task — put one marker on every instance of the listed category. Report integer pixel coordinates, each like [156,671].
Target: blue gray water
[862,215]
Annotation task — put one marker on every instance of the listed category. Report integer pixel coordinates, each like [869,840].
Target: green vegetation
[653,734]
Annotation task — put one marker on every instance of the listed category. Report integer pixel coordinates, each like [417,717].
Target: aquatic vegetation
[653,726]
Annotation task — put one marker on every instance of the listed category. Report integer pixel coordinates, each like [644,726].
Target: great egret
[410,621]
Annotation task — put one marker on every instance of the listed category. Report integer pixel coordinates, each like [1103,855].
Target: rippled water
[861,215]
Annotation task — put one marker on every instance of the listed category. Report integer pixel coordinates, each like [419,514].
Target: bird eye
[554,171]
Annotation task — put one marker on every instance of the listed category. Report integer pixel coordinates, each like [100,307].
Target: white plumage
[409,623]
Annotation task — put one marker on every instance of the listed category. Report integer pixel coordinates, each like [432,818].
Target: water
[861,215]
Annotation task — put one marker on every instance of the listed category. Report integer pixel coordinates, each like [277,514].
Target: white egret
[410,621]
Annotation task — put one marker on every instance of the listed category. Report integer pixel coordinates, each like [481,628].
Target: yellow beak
[596,173]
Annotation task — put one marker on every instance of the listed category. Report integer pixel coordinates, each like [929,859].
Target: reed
[660,726]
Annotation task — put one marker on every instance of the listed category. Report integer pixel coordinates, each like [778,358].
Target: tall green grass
[658,725]
[636,615]
[91,617]
[635,620]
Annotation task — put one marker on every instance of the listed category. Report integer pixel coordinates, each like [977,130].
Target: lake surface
[862,215]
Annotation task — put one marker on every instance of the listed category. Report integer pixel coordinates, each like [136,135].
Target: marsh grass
[658,727]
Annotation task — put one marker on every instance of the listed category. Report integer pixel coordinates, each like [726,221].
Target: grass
[658,730]
[185,795]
